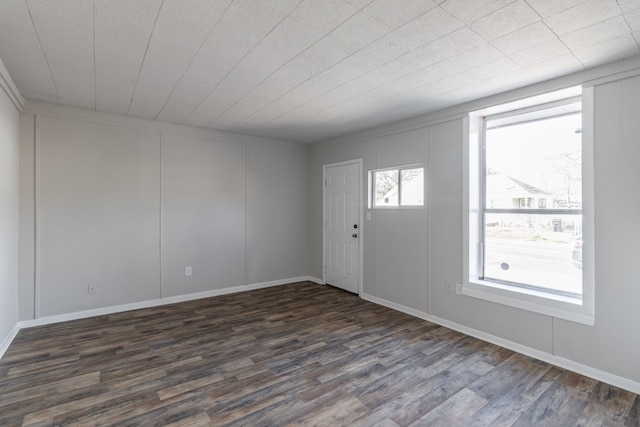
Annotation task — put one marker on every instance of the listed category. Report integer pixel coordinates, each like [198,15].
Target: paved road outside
[539,263]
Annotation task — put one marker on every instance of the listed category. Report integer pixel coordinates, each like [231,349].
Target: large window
[527,187]
[397,187]
[533,168]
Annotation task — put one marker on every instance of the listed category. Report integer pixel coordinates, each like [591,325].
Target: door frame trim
[361,207]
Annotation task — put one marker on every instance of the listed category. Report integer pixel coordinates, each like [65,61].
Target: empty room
[319,212]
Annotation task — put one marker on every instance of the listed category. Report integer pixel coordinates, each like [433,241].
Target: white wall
[9,160]
[409,257]
[127,206]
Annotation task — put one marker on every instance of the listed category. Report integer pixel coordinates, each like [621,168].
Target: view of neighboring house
[505,192]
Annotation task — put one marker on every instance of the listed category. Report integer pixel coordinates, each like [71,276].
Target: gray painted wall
[126,208]
[9,160]
[277,214]
[409,257]
[27,230]
[97,204]
[203,214]
[612,343]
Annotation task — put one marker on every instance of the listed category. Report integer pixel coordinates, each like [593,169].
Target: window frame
[526,204]
[372,187]
[579,310]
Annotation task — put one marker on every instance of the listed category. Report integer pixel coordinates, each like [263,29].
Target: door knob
[355,225]
[354,235]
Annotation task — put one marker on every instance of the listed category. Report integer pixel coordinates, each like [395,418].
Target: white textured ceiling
[302,70]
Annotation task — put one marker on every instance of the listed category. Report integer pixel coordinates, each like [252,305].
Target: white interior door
[342,225]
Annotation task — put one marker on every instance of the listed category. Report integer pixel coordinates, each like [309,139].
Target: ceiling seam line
[302,52]
[241,59]
[369,90]
[357,77]
[354,97]
[193,59]
[403,76]
[144,57]
[558,37]
[53,80]
[344,59]
[466,25]
[288,62]
[633,33]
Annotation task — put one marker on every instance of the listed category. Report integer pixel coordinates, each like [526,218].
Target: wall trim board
[612,77]
[9,339]
[10,88]
[315,280]
[43,108]
[597,75]
[561,362]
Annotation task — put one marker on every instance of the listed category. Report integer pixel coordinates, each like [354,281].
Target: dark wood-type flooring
[299,354]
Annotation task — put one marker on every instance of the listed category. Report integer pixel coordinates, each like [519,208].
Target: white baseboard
[314,280]
[47,320]
[8,340]
[588,371]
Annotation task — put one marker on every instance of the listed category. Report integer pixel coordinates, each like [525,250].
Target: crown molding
[10,88]
[55,110]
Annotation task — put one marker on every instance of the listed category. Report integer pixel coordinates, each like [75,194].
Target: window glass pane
[386,188]
[543,251]
[535,164]
[412,187]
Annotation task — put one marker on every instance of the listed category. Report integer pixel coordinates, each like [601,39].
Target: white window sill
[549,304]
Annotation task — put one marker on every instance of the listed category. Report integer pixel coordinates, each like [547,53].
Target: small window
[398,187]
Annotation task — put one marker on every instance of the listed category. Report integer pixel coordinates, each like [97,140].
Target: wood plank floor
[299,354]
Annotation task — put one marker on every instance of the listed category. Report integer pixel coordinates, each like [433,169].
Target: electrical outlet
[450,287]
[188,271]
[91,288]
